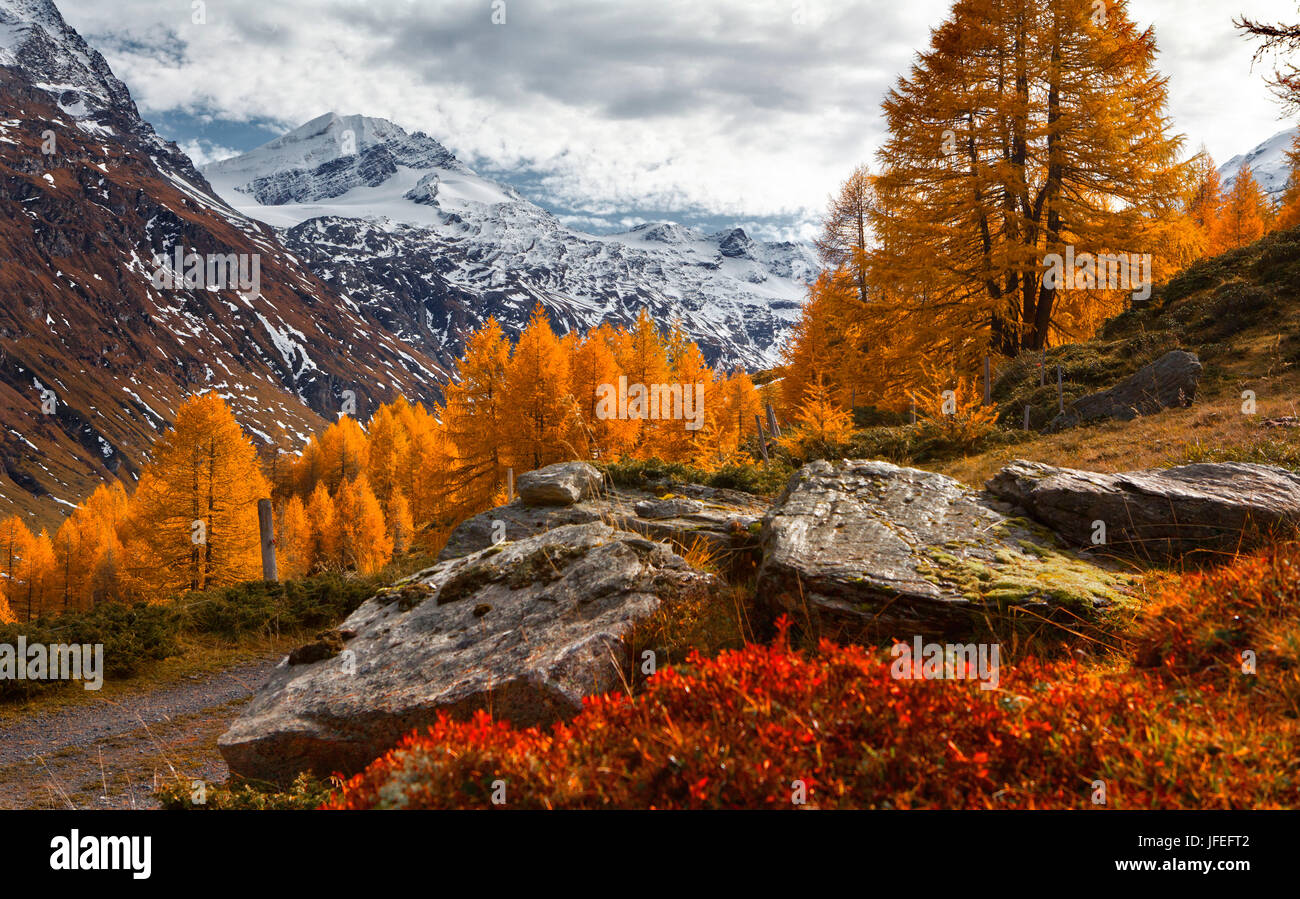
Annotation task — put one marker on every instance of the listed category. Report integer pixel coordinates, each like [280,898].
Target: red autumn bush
[1207,623]
[739,730]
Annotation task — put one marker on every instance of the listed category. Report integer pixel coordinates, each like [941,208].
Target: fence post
[772,426]
[1060,390]
[266,525]
[762,441]
[510,485]
[1026,418]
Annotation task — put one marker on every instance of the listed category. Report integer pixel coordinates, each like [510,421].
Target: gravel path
[112,753]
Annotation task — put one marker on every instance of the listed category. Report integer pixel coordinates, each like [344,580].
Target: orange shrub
[1214,624]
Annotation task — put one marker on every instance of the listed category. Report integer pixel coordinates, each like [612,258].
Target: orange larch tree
[193,522]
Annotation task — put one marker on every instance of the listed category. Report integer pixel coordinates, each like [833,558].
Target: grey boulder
[1158,513]
[525,631]
[562,484]
[724,521]
[1168,382]
[865,550]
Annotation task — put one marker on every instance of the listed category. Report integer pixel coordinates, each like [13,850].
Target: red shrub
[738,730]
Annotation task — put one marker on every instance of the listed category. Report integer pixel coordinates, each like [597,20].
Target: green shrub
[264,608]
[132,635]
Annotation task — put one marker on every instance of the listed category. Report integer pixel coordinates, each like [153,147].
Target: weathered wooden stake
[1026,418]
[762,441]
[1060,389]
[510,485]
[266,525]
[773,428]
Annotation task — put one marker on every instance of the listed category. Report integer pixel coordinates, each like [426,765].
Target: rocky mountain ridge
[420,242]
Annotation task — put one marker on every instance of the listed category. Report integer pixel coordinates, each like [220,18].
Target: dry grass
[1166,438]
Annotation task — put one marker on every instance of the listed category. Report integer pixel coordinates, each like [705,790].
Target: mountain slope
[96,350]
[429,249]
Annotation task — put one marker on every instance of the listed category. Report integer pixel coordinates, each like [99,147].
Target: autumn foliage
[1025,131]
[1176,725]
[357,495]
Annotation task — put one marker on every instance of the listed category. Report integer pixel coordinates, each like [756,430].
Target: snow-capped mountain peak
[354,193]
[325,142]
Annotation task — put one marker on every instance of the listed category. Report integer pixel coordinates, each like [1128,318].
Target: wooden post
[762,441]
[266,525]
[510,485]
[1026,418]
[988,384]
[1060,390]
[772,427]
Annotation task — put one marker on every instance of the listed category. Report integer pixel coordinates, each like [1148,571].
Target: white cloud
[204,151]
[728,106]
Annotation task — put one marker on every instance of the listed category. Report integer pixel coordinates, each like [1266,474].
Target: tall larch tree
[325,529]
[15,547]
[343,452]
[643,359]
[364,543]
[293,539]
[1246,212]
[1288,212]
[1027,127]
[846,229]
[474,415]
[194,513]
[388,445]
[536,400]
[40,576]
[592,364]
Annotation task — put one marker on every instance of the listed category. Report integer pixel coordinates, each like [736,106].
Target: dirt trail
[112,753]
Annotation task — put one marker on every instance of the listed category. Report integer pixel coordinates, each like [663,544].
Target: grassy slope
[1237,311]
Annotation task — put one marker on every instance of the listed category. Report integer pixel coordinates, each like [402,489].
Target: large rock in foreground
[1157,514]
[868,551]
[525,630]
[1168,382]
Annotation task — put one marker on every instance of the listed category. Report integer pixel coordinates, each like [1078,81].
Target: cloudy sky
[612,112]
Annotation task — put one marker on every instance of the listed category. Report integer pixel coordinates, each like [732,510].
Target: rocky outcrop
[559,485]
[525,630]
[724,521]
[1168,382]
[1157,514]
[867,550]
